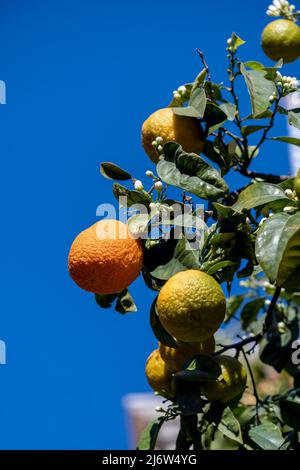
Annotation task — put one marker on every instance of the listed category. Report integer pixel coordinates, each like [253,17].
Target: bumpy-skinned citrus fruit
[297,184]
[175,358]
[230,384]
[105,258]
[164,123]
[281,40]
[191,306]
[159,376]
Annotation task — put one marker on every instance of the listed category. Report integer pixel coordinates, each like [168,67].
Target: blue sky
[81,77]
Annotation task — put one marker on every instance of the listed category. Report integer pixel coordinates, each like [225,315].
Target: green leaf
[267,436]
[214,116]
[294,118]
[218,266]
[159,332]
[184,258]
[259,194]
[214,154]
[199,80]
[200,369]
[259,88]
[277,249]
[290,413]
[247,130]
[229,109]
[236,41]
[105,300]
[265,115]
[113,172]
[125,302]
[198,101]
[133,196]
[250,311]
[254,65]
[233,304]
[148,438]
[190,172]
[187,111]
[288,140]
[230,427]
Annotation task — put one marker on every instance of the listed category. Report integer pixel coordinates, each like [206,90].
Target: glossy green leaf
[148,438]
[288,140]
[259,194]
[233,304]
[198,101]
[187,111]
[260,89]
[159,331]
[236,41]
[250,311]
[254,65]
[133,196]
[190,173]
[199,80]
[294,118]
[267,436]
[229,109]
[248,130]
[230,427]
[290,412]
[105,300]
[184,258]
[114,172]
[277,248]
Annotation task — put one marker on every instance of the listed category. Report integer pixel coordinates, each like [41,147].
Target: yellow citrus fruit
[297,184]
[175,358]
[159,376]
[191,306]
[230,384]
[281,40]
[169,126]
[105,258]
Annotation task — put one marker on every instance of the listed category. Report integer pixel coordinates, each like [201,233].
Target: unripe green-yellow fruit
[230,384]
[281,40]
[175,358]
[159,376]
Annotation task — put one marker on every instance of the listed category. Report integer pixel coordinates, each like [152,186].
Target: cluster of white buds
[157,144]
[138,185]
[291,194]
[281,8]
[180,92]
[288,84]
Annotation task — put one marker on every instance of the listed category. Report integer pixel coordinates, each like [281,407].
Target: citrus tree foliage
[251,233]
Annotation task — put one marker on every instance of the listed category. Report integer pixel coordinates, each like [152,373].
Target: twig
[267,129]
[208,74]
[269,177]
[257,399]
[239,345]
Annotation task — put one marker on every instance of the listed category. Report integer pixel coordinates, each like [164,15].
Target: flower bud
[149,173]
[138,185]
[158,185]
[159,140]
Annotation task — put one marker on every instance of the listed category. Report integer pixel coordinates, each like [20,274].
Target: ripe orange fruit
[158,375]
[169,126]
[105,258]
[191,306]
[230,384]
[175,358]
[281,40]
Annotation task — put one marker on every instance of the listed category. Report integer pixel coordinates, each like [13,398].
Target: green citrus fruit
[191,306]
[175,358]
[281,40]
[230,384]
[164,123]
[159,376]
